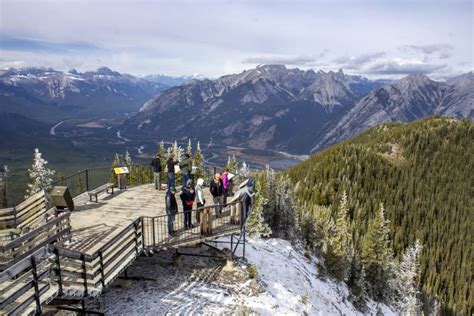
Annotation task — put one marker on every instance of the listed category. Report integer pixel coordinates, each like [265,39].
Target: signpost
[121,173]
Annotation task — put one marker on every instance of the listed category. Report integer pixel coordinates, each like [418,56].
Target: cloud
[403,67]
[285,60]
[356,63]
[444,51]
[32,45]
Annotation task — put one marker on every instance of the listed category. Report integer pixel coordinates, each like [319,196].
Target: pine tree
[232,164]
[161,149]
[117,162]
[376,255]
[198,162]
[40,175]
[340,253]
[405,281]
[177,152]
[256,225]
[189,148]
[244,170]
[127,159]
[357,286]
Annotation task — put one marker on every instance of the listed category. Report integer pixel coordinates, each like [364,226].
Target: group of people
[220,188]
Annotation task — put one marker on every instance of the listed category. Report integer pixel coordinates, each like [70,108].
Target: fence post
[35,283]
[58,271]
[84,274]
[87,180]
[102,276]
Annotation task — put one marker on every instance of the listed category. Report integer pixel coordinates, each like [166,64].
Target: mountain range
[292,110]
[49,95]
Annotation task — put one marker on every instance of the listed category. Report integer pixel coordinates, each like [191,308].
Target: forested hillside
[422,172]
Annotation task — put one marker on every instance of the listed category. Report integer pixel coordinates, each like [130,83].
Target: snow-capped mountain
[103,91]
[408,99]
[269,106]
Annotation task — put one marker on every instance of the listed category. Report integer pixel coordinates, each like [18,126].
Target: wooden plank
[22,290]
[24,304]
[34,212]
[33,233]
[34,206]
[117,237]
[74,254]
[6,211]
[13,270]
[29,200]
[63,233]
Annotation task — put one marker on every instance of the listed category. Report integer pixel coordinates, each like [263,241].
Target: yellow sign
[121,170]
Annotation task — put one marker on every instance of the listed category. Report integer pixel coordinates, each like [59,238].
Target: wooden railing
[56,230]
[81,275]
[25,286]
[28,214]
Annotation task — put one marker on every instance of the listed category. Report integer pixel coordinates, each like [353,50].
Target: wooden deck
[94,224]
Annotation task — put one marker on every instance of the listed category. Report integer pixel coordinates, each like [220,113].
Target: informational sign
[121,170]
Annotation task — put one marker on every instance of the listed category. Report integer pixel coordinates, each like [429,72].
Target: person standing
[187,197]
[217,191]
[171,209]
[200,201]
[186,167]
[156,164]
[226,184]
[170,163]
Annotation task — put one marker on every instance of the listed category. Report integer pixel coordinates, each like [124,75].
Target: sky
[377,38]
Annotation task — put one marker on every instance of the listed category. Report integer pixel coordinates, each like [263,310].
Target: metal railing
[207,221]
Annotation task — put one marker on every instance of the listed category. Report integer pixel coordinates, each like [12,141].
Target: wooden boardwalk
[94,224]
[76,255]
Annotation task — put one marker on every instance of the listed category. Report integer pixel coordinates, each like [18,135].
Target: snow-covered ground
[287,284]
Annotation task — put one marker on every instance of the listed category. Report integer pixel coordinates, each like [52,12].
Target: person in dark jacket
[186,167]
[156,164]
[171,209]
[217,191]
[187,197]
[170,163]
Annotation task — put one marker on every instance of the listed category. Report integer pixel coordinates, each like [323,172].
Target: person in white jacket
[200,201]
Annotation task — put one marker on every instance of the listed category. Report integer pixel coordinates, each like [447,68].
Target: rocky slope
[408,99]
[266,107]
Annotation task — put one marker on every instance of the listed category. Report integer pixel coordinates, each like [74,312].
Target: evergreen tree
[117,162]
[177,152]
[339,255]
[357,286]
[189,148]
[244,170]
[405,281]
[198,162]
[256,225]
[161,149]
[127,159]
[232,164]
[376,255]
[40,175]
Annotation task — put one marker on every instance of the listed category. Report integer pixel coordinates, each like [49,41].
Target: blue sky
[372,38]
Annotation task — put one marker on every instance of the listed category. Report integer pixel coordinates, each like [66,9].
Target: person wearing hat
[171,209]
[187,197]
[156,164]
[200,201]
[217,191]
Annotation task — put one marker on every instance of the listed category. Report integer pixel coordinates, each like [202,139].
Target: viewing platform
[52,259]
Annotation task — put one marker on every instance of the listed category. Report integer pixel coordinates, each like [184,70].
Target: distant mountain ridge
[269,106]
[406,100]
[293,110]
[32,91]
